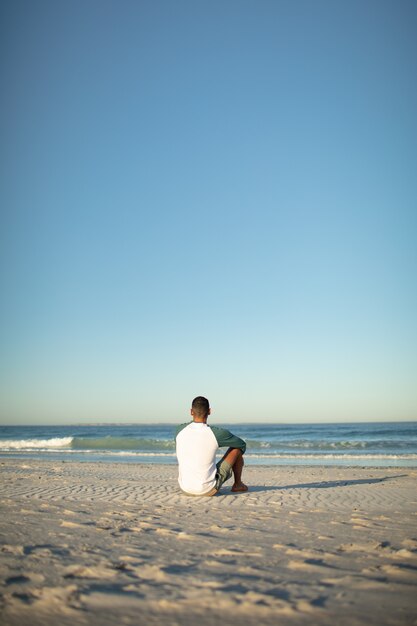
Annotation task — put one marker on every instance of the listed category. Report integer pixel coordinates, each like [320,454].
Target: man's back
[196,445]
[196,452]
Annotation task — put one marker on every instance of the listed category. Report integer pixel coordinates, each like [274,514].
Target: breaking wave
[36,444]
[88,443]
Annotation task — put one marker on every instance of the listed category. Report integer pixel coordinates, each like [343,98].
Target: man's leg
[234,457]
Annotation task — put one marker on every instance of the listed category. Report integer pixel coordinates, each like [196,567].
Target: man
[197,444]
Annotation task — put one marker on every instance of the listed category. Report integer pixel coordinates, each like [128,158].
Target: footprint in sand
[311,606]
[360,523]
[235,552]
[102,571]
[66,524]
[165,531]
[150,573]
[308,554]
[355,582]
[220,529]
[28,577]
[313,565]
[371,546]
[64,598]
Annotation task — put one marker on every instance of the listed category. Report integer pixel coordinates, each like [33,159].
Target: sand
[110,543]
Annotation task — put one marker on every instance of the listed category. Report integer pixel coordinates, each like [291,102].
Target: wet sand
[113,543]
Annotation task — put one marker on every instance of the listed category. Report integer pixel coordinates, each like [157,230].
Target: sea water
[378,444]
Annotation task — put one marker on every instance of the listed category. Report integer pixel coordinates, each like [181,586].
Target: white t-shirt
[196,445]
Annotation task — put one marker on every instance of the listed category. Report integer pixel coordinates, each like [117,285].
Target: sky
[208,198]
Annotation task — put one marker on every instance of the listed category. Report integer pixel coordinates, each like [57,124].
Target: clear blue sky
[214,198]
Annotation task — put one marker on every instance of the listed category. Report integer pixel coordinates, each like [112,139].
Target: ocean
[377,444]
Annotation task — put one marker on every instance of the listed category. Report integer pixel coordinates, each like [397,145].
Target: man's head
[200,408]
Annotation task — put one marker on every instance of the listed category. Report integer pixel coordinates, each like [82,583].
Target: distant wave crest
[36,444]
[306,444]
[89,443]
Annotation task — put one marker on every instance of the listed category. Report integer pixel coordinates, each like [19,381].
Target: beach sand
[113,543]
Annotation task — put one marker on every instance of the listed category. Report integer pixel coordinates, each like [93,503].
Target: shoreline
[96,543]
[167,459]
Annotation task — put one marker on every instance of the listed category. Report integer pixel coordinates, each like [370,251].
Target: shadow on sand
[327,484]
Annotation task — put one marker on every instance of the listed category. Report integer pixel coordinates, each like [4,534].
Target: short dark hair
[200,406]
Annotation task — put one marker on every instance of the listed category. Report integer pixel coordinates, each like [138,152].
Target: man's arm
[226,439]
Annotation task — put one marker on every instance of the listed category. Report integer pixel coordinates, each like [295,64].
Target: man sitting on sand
[197,444]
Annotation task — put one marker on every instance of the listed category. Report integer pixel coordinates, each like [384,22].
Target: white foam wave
[93,453]
[35,444]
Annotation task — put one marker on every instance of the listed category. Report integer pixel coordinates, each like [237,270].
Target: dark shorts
[224,472]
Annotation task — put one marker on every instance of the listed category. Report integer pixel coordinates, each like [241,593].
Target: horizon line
[251,423]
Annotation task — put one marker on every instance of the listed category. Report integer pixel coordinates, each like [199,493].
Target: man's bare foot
[239,487]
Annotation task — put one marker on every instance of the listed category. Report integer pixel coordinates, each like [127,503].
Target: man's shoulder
[219,431]
[181,427]
[225,438]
